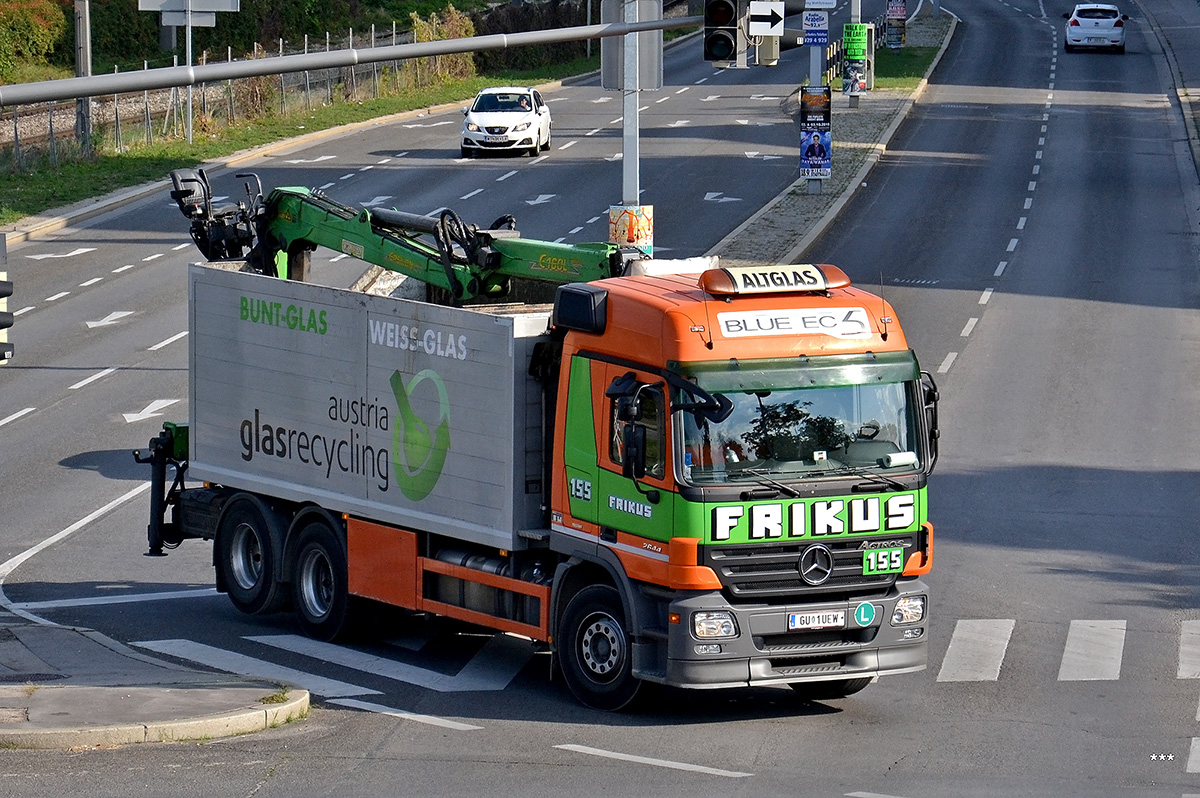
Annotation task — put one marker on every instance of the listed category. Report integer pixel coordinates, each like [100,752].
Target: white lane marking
[168,341]
[1032,185]
[16,415]
[568,145]
[366,168]
[593,132]
[1042,141]
[1037,155]
[542,199]
[23,310]
[680,123]
[318,159]
[1193,765]
[96,601]
[1012,244]
[506,176]
[1028,203]
[970,325]
[149,258]
[1021,222]
[661,100]
[71,254]
[129,266]
[150,411]
[869,795]
[1037,169]
[57,296]
[574,230]
[681,91]
[111,318]
[13,563]
[662,763]
[538,159]
[366,706]
[942,369]
[346,177]
[92,281]
[98,375]
[612,158]
[595,219]
[1093,651]
[1000,269]
[336,258]
[977,650]
[232,662]
[496,664]
[327,185]
[1189,651]
[470,194]
[377,200]
[179,247]
[1043,128]
[985,296]
[1045,117]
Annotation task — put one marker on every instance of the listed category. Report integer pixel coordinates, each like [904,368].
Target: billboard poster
[632,226]
[895,33]
[816,28]
[854,63]
[816,145]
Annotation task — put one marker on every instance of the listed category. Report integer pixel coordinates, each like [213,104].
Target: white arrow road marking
[764,97]
[496,664]
[763,157]
[377,201]
[242,665]
[318,159]
[71,254]
[680,123]
[366,706]
[710,98]
[717,196]
[614,158]
[150,411]
[542,199]
[111,318]
[602,100]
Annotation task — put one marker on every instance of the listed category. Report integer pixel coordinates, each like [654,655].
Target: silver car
[1095,25]
[506,119]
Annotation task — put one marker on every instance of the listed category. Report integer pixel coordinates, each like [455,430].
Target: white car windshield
[487,103]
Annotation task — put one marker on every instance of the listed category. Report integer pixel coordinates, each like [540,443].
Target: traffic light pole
[630,152]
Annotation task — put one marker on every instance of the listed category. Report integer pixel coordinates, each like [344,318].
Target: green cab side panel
[579,448]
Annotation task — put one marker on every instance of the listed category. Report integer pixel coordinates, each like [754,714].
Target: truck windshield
[803,417]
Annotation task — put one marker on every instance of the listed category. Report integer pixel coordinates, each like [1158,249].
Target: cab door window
[652,421]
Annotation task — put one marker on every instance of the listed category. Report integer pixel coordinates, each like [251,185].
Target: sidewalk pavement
[64,687]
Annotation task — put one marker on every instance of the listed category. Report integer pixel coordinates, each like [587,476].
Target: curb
[1183,95]
[224,724]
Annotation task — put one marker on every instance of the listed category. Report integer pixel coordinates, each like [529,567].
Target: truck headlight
[714,623]
[910,609]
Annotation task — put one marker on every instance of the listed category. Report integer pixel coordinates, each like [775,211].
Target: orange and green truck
[677,472]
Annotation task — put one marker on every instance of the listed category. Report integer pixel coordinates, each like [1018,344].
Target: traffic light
[721,30]
[6,318]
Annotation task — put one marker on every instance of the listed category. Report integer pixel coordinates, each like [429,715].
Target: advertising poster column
[816,144]
[854,63]
[632,226]
[897,11]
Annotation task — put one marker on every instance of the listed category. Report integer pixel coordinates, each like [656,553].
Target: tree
[28,30]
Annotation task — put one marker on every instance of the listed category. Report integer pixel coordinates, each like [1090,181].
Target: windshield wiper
[877,478]
[762,479]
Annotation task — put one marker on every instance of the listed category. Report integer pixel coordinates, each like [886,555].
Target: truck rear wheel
[246,559]
[320,591]
[595,649]
[826,691]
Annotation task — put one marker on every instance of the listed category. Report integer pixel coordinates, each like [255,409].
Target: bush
[28,32]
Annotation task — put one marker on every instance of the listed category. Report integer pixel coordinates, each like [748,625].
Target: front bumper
[765,652]
[471,141]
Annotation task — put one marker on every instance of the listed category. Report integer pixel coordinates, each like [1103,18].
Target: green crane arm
[272,233]
[442,251]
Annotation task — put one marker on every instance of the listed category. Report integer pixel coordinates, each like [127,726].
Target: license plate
[1095,40]
[496,139]
[817,620]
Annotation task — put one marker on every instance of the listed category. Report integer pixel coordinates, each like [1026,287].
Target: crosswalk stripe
[500,660]
[242,665]
[976,650]
[432,720]
[1093,651]
[1189,650]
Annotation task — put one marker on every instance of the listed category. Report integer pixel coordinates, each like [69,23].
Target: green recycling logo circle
[418,454]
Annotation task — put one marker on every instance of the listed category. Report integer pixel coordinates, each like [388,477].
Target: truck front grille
[771,571]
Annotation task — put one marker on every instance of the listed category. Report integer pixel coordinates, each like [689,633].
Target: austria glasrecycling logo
[419,454]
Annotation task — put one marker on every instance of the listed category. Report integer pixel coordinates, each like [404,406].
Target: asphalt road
[1034,226]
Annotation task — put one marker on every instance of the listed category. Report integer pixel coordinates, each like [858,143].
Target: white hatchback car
[506,119]
[1095,25]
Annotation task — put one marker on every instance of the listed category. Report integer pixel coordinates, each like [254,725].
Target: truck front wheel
[595,649]
[320,591]
[246,558]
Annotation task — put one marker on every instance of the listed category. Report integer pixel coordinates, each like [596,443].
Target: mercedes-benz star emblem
[816,564]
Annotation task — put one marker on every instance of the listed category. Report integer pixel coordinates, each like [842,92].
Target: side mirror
[633,438]
[1066,16]
[465,110]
